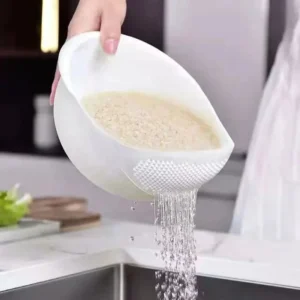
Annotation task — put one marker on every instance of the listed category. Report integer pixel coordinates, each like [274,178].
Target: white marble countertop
[219,255]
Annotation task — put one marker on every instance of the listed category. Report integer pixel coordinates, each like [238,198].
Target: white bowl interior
[137,66]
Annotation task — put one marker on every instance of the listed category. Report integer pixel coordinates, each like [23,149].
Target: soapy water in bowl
[139,120]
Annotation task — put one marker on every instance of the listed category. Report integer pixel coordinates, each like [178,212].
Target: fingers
[86,17]
[112,18]
[89,16]
[54,86]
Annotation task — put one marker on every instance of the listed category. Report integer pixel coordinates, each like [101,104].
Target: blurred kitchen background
[227,45]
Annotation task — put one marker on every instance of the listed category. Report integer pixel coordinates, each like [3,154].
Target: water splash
[174,219]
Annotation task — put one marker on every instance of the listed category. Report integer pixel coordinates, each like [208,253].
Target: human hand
[93,15]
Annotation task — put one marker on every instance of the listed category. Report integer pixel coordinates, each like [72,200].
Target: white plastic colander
[133,173]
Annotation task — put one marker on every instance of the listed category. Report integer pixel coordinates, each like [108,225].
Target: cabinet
[24,23]
[223,44]
[20,25]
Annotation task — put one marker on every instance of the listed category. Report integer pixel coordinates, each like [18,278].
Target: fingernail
[110,46]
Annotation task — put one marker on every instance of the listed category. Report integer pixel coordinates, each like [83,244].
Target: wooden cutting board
[71,212]
[62,203]
[69,220]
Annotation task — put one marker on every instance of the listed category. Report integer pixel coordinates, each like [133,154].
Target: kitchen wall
[222,43]
[26,72]
[227,45]
[290,11]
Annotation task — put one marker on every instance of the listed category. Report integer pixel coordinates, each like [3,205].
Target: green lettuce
[12,207]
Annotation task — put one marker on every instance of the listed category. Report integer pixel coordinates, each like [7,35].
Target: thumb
[54,86]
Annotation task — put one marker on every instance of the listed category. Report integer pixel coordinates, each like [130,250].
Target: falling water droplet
[159,295]
[132,238]
[174,220]
[132,208]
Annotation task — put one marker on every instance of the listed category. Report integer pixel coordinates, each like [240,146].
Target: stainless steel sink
[124,282]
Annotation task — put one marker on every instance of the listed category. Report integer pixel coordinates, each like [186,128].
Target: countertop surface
[43,176]
[219,255]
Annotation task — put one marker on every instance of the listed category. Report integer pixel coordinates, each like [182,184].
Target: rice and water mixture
[140,120]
